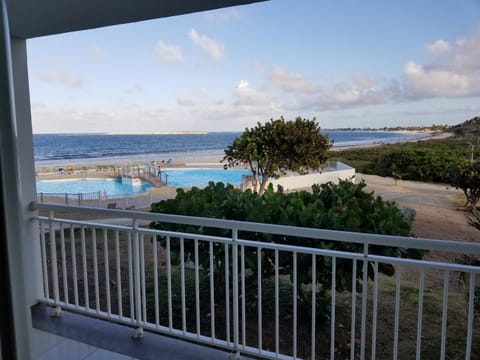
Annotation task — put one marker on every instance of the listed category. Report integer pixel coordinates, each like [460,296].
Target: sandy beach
[199,159]
[420,136]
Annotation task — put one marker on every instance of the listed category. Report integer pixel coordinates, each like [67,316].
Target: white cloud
[438,47]
[184,101]
[168,53]
[365,90]
[454,71]
[244,107]
[242,84]
[431,82]
[212,48]
[302,94]
[58,76]
[246,96]
[288,81]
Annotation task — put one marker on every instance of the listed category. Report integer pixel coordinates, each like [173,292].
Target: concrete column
[17,177]
[32,253]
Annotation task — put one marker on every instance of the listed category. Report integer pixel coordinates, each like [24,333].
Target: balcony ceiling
[33,18]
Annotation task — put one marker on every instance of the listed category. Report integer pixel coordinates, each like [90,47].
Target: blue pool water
[112,187]
[187,177]
[201,177]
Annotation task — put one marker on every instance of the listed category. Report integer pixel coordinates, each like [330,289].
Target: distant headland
[159,133]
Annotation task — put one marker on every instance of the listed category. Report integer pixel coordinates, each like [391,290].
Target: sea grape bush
[346,206]
[430,161]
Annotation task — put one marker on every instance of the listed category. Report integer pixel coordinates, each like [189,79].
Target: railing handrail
[272,246]
[54,194]
[286,230]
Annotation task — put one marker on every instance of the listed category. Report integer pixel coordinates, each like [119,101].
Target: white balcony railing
[235,293]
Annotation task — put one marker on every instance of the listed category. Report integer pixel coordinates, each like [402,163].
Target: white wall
[295,182]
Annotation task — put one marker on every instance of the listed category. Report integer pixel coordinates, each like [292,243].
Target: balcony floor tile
[94,339]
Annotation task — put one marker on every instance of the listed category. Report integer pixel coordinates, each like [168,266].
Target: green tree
[467,178]
[278,146]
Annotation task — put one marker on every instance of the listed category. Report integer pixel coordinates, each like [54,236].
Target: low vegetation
[453,161]
[345,206]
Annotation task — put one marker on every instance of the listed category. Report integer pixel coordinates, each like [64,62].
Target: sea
[74,149]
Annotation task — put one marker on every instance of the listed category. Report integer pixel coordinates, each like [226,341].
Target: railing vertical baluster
[212,291]
[333,304]
[84,266]
[294,300]
[169,285]
[64,264]
[197,289]
[471,300]
[106,264]
[46,288]
[259,281]
[53,256]
[232,264]
[397,312]
[363,328]
[314,304]
[244,295]
[182,285]
[130,277]
[95,269]
[155,280]
[74,265]
[421,289]
[374,310]
[119,274]
[137,283]
[142,279]
[227,293]
[444,314]
[235,288]
[354,308]
[277,307]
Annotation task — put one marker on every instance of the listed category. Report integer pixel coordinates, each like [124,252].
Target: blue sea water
[60,149]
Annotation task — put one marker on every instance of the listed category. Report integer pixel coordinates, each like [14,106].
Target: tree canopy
[467,178]
[275,147]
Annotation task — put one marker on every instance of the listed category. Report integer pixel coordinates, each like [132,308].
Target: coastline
[419,136]
[199,158]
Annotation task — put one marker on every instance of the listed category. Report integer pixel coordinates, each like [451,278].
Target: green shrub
[345,206]
[429,161]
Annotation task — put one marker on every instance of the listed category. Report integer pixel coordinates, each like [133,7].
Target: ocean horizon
[74,149]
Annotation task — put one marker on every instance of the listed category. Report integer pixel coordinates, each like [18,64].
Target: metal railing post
[271,344]
[138,332]
[236,354]
[53,254]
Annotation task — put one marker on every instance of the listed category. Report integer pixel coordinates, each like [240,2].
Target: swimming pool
[112,187]
[200,177]
[184,177]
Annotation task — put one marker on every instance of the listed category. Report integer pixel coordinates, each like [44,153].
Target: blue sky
[347,63]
